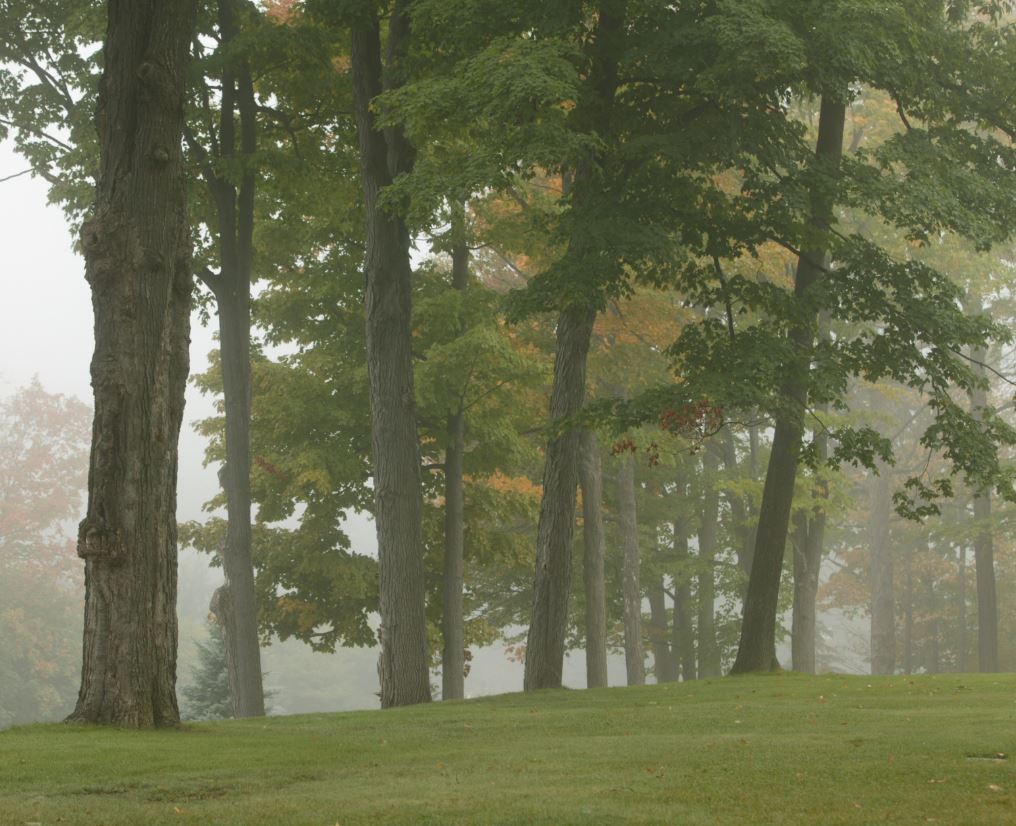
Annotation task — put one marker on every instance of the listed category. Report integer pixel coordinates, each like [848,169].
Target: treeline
[654,290]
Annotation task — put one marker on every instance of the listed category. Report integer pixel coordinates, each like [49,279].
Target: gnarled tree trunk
[137,259]
[404,661]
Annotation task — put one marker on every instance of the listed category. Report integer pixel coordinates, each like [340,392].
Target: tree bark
[634,657]
[235,603]
[137,262]
[883,601]
[757,648]
[709,664]
[403,665]
[453,665]
[594,556]
[932,658]
[545,642]
[962,631]
[684,633]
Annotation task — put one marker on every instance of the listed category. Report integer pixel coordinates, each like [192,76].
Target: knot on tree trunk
[97,541]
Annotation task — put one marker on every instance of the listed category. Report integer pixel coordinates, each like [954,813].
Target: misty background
[46,333]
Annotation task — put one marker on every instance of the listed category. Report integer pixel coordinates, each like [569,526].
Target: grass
[772,749]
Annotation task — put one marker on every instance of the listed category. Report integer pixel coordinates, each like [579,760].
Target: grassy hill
[773,749]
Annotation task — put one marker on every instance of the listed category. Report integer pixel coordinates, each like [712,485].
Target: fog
[46,333]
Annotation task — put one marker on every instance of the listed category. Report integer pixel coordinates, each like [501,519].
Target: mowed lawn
[771,749]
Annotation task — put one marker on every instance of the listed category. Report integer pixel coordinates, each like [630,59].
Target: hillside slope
[771,749]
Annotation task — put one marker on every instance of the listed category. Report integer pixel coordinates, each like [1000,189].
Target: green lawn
[772,749]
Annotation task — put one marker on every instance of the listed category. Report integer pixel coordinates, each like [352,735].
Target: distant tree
[43,464]
[136,244]
[207,696]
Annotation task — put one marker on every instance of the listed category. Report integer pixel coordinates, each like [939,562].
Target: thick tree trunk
[634,657]
[664,665]
[137,262]
[235,603]
[404,661]
[757,648]
[883,600]
[684,633]
[709,664]
[593,561]
[545,643]
[453,663]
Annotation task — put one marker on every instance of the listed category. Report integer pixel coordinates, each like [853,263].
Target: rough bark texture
[235,603]
[709,664]
[883,600]
[452,630]
[593,561]
[684,633]
[137,258]
[545,643]
[634,657]
[757,648]
[403,665]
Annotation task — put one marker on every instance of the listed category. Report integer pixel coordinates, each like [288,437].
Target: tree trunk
[404,661]
[962,635]
[634,658]
[235,603]
[453,665]
[552,584]
[545,643]
[984,548]
[663,661]
[594,556]
[137,262]
[808,545]
[883,601]
[908,613]
[932,659]
[709,664]
[684,633]
[757,648]
[739,505]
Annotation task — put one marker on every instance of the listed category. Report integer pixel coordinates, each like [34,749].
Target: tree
[44,450]
[209,695]
[233,229]
[137,253]
[396,452]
